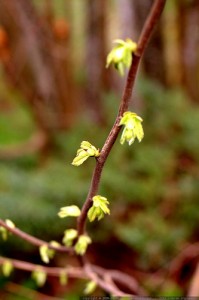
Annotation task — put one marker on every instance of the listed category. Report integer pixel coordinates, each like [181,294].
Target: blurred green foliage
[16,123]
[152,186]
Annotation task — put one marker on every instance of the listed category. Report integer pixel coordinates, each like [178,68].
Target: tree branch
[92,272]
[149,25]
[73,272]
[33,240]
[104,284]
[87,272]
[119,277]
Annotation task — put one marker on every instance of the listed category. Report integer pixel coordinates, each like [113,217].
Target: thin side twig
[122,278]
[87,272]
[73,272]
[103,283]
[33,240]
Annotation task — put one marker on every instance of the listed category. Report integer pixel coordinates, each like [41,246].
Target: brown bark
[171,27]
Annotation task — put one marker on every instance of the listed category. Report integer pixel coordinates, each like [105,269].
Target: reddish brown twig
[87,272]
[107,285]
[119,277]
[149,25]
[33,240]
[73,272]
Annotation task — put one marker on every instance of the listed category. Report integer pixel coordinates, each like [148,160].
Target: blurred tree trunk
[153,60]
[96,57]
[173,54]
[39,65]
[127,21]
[132,15]
[188,13]
[181,45]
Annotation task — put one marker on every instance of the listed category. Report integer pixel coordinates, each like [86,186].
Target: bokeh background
[55,92]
